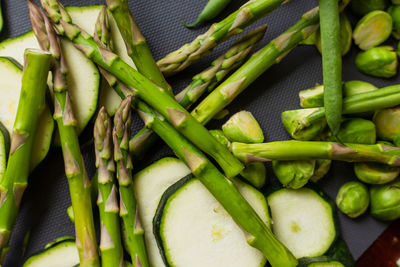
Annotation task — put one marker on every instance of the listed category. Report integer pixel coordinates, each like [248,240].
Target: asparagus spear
[78,181]
[219,186]
[255,66]
[331,62]
[233,24]
[136,44]
[31,104]
[369,101]
[293,150]
[143,88]
[128,206]
[110,241]
[202,83]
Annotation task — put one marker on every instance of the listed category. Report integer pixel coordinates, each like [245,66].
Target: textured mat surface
[43,211]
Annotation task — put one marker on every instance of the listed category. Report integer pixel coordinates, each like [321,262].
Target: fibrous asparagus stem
[218,32]
[255,66]
[144,88]
[369,101]
[294,150]
[30,106]
[129,211]
[202,83]
[136,44]
[110,241]
[78,181]
[257,233]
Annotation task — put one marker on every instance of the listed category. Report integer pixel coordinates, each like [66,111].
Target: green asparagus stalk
[369,101]
[331,63]
[136,44]
[129,211]
[255,66]
[110,241]
[78,181]
[201,46]
[294,150]
[31,104]
[257,233]
[223,189]
[202,83]
[143,88]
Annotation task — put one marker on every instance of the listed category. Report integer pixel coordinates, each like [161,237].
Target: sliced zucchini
[303,220]
[195,230]
[149,186]
[61,254]
[10,88]
[322,261]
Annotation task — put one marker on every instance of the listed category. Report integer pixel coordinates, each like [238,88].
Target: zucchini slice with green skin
[304,220]
[322,261]
[149,186]
[10,89]
[195,230]
[60,254]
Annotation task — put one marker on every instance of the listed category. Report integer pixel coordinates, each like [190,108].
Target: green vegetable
[220,136]
[243,127]
[353,199]
[385,201]
[234,24]
[210,11]
[358,131]
[1,18]
[340,252]
[313,97]
[294,174]
[322,167]
[355,87]
[373,29]
[298,213]
[255,173]
[128,209]
[292,121]
[394,12]
[31,104]
[202,83]
[387,123]
[378,61]
[78,181]
[307,150]
[179,213]
[375,173]
[146,90]
[331,62]
[322,261]
[362,7]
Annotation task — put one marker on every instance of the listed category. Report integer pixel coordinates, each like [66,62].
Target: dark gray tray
[43,210]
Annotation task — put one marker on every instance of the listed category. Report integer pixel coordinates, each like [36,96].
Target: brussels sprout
[346,33]
[322,167]
[394,12]
[355,87]
[375,173]
[243,127]
[385,201]
[387,123]
[357,131]
[313,97]
[353,199]
[378,61]
[296,125]
[362,7]
[373,29]
[294,173]
[255,173]
[221,138]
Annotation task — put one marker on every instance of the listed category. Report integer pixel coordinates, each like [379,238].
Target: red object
[385,251]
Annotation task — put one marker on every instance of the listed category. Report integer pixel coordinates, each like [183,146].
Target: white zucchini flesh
[303,221]
[149,186]
[108,97]
[197,231]
[63,254]
[10,89]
